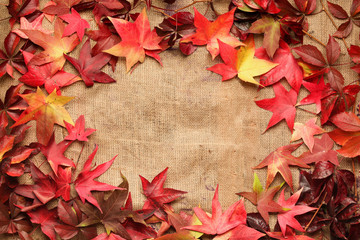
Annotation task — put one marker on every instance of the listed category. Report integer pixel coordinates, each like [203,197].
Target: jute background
[183,117]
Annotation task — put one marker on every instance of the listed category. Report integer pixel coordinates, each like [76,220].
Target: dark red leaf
[344,29]
[337,11]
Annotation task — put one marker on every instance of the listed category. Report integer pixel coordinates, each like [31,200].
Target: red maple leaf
[306,132]
[263,199]
[287,218]
[288,67]
[219,222]
[71,216]
[316,88]
[78,132]
[42,75]
[41,192]
[54,153]
[279,161]
[47,219]
[157,195]
[282,106]
[89,66]
[322,151]
[75,24]
[85,183]
[54,46]
[59,7]
[105,39]
[290,235]
[63,181]
[208,33]
[137,40]
[36,24]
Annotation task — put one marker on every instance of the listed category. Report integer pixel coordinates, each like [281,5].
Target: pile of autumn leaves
[73,205]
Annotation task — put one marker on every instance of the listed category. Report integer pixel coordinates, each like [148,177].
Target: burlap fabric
[182,116]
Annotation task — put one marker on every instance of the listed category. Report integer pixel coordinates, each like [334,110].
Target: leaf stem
[77,162]
[164,13]
[332,21]
[317,210]
[306,110]
[314,38]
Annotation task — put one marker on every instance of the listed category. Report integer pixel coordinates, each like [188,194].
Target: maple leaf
[322,151]
[47,220]
[36,24]
[179,221]
[105,39]
[63,180]
[111,213]
[137,40]
[42,75]
[241,62]
[316,89]
[271,29]
[89,67]
[78,132]
[263,199]
[157,195]
[54,46]
[71,216]
[282,106]
[347,134]
[219,222]
[287,218]
[290,235]
[288,67]
[47,111]
[208,33]
[54,153]
[306,132]
[107,8]
[85,183]
[43,191]
[279,161]
[59,7]
[76,24]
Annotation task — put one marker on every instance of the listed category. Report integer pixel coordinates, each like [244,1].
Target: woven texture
[183,117]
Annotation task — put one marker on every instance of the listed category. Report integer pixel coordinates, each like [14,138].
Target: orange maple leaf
[46,110]
[54,46]
[137,40]
[207,33]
